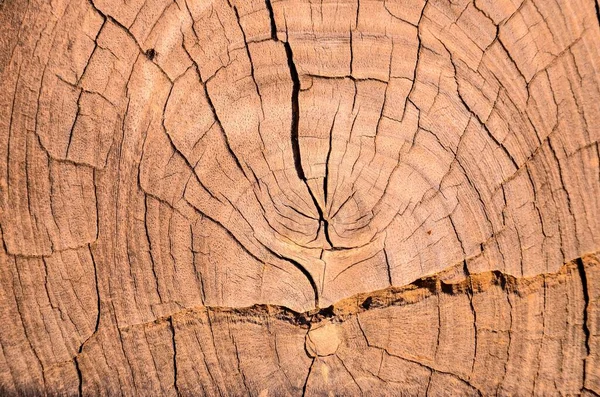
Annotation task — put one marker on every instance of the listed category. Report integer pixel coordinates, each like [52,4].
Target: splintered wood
[290,197]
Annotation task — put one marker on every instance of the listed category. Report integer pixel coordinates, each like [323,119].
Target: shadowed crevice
[425,287]
[296,143]
[586,299]
[272,18]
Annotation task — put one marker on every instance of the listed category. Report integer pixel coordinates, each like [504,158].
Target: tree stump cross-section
[300,197]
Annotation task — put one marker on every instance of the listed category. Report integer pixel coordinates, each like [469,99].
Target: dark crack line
[269,250]
[389,269]
[295,263]
[308,377]
[430,286]
[586,298]
[79,377]
[295,110]
[174,355]
[151,252]
[96,326]
[326,178]
[303,270]
[295,141]
[296,120]
[252,74]
[475,329]
[296,146]
[215,116]
[272,18]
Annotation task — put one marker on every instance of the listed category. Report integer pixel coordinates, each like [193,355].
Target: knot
[323,341]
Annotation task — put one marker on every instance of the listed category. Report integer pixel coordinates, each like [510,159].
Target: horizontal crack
[391,296]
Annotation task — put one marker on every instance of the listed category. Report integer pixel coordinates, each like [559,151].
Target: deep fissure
[295,141]
[586,299]
[389,297]
[295,100]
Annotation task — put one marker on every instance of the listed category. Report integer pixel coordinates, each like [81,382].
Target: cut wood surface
[300,197]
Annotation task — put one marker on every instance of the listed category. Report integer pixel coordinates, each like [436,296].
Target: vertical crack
[74,123]
[351,55]
[303,270]
[325,179]
[470,296]
[79,377]
[389,269]
[296,146]
[294,136]
[308,377]
[586,299]
[295,121]
[174,355]
[429,382]
[96,326]
[508,289]
[215,115]
[295,110]
[540,349]
[237,16]
[272,18]
[150,250]
[97,293]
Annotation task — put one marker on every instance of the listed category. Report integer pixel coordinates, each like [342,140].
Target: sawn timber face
[278,190]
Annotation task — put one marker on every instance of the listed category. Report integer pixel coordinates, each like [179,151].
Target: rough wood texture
[288,197]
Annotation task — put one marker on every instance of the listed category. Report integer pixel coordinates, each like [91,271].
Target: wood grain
[289,197]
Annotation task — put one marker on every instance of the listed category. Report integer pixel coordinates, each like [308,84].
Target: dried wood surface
[299,197]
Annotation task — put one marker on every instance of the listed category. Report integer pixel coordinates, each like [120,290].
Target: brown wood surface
[300,197]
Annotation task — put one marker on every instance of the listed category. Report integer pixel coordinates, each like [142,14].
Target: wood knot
[151,53]
[323,341]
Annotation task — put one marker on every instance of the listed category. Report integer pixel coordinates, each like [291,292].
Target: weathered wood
[288,197]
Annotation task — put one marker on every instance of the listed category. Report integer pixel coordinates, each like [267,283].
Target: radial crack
[295,141]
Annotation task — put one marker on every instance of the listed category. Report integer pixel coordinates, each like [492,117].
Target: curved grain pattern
[288,197]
